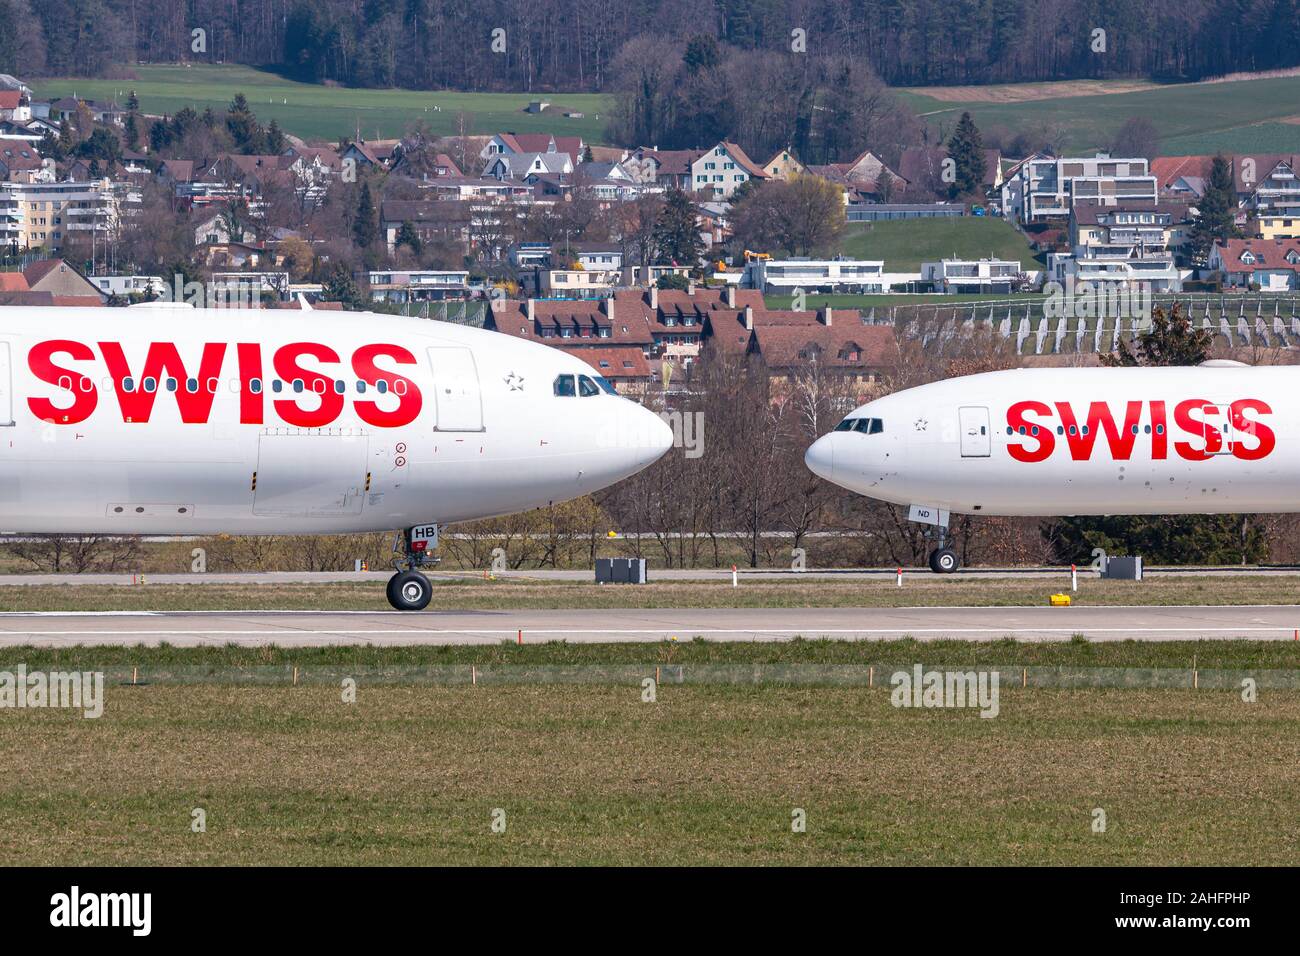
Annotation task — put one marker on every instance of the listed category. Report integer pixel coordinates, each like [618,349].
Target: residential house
[527,167]
[969,276]
[518,144]
[16,106]
[815,275]
[1047,189]
[60,279]
[783,165]
[381,153]
[722,170]
[1182,177]
[417,285]
[20,163]
[1268,265]
[667,168]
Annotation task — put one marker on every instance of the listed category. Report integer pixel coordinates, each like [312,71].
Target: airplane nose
[820,457]
[659,435]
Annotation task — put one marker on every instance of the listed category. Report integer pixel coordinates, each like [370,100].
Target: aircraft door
[311,471]
[1219,434]
[457,396]
[973,424]
[6,387]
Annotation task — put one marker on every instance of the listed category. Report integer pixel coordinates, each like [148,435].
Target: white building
[815,275]
[722,170]
[417,285]
[130,285]
[1048,188]
[45,215]
[972,276]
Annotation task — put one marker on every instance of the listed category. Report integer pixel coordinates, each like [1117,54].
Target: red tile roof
[851,345]
[1167,169]
[13,282]
[1268,253]
[619,363]
[9,99]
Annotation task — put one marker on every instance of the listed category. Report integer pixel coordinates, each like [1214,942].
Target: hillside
[1192,118]
[904,244]
[329,112]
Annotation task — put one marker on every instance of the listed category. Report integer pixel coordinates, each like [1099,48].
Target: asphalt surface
[686,574]
[313,628]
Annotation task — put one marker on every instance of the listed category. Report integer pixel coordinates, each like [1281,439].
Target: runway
[312,628]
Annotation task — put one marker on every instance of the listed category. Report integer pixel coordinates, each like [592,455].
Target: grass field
[1240,116]
[905,243]
[921,589]
[704,775]
[328,113]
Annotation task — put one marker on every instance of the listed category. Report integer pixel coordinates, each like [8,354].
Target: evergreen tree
[341,287]
[966,150]
[365,227]
[242,125]
[1215,213]
[1170,340]
[677,233]
[275,140]
[407,236]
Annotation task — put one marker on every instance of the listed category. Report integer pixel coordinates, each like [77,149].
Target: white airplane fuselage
[172,420]
[1079,441]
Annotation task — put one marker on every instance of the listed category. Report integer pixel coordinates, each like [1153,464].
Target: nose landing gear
[408,589]
[944,560]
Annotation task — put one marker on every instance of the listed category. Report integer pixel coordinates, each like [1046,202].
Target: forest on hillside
[573,44]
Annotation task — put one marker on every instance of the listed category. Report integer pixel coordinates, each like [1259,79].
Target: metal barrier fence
[758,675]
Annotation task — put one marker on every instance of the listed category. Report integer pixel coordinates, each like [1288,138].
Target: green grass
[1232,655]
[705,775]
[905,243]
[1190,118]
[328,113]
[921,589]
[815,301]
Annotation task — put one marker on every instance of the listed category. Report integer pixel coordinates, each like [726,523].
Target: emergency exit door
[457,397]
[973,423]
[6,387]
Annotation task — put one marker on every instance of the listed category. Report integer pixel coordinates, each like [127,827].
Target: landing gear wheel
[943,561]
[409,591]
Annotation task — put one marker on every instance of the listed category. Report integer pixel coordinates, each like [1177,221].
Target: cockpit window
[586,387]
[606,385]
[564,386]
[865,426]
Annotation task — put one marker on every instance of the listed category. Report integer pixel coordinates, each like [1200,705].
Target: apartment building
[815,275]
[971,276]
[47,215]
[1048,188]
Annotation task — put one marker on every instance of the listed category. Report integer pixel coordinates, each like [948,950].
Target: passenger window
[361,387]
[339,386]
[564,386]
[298,385]
[191,385]
[128,384]
[586,387]
[382,386]
[255,386]
[277,386]
[150,384]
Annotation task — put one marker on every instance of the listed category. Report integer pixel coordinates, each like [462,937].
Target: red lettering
[85,396]
[330,403]
[1081,439]
[161,362]
[1046,441]
[410,401]
[1195,426]
[250,370]
[1159,432]
[1265,440]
